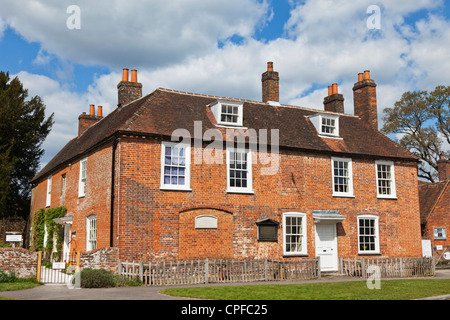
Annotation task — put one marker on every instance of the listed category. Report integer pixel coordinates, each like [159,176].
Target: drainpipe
[113,170]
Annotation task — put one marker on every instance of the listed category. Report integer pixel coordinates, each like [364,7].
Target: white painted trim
[304,234]
[217,111]
[249,188]
[350,177]
[335,246]
[81,192]
[187,178]
[48,199]
[377,237]
[391,165]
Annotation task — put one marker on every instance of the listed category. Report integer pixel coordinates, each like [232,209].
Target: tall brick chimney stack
[128,91]
[87,120]
[365,99]
[443,168]
[270,84]
[334,102]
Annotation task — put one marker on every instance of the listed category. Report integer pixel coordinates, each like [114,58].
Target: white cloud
[142,33]
[174,45]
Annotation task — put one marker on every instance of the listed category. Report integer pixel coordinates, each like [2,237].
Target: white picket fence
[218,270]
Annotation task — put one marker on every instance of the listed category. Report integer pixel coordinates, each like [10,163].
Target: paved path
[62,292]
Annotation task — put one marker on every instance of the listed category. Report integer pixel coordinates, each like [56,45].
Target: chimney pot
[100,111]
[125,75]
[366,75]
[92,110]
[128,91]
[134,76]
[334,88]
[360,77]
[269,66]
[334,102]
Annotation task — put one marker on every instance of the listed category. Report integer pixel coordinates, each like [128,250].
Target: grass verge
[354,290]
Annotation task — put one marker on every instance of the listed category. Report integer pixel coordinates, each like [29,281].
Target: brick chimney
[270,84]
[334,102]
[365,99]
[443,168]
[87,120]
[128,91]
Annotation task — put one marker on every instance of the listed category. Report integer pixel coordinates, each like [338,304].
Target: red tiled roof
[164,111]
[429,195]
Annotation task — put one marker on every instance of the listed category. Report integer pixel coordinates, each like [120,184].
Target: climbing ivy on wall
[44,220]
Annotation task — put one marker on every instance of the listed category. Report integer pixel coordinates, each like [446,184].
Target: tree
[422,120]
[23,128]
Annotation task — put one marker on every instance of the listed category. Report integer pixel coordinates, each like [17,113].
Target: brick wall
[19,260]
[440,217]
[97,200]
[103,258]
[151,223]
[154,223]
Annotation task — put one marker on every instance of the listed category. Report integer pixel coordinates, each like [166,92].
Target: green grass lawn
[351,290]
[20,285]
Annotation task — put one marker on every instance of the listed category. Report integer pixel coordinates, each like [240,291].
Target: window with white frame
[83,177]
[175,166]
[440,233]
[48,200]
[91,232]
[328,126]
[228,112]
[294,234]
[239,170]
[63,186]
[368,240]
[342,177]
[385,179]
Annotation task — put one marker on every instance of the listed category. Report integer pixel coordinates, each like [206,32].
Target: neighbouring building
[435,206]
[179,175]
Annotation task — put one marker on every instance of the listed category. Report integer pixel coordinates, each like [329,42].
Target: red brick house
[303,183]
[434,201]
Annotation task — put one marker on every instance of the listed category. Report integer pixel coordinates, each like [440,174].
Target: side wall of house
[97,199]
[440,218]
[155,223]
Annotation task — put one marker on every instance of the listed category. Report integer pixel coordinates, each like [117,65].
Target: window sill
[338,195]
[175,189]
[289,255]
[323,135]
[250,192]
[369,253]
[387,197]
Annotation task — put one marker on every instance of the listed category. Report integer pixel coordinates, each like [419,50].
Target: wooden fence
[388,268]
[218,271]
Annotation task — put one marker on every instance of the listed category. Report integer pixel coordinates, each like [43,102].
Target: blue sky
[220,48]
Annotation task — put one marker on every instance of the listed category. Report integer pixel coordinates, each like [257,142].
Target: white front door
[326,246]
[66,245]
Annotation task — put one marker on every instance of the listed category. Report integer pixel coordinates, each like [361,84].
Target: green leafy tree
[23,128]
[422,121]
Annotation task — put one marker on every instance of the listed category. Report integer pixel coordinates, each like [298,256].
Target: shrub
[97,278]
[7,278]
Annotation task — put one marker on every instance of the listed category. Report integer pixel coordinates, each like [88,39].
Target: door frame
[335,245]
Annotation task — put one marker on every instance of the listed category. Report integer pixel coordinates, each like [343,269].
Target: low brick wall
[21,261]
[103,258]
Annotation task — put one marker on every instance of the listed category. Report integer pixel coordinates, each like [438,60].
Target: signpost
[14,238]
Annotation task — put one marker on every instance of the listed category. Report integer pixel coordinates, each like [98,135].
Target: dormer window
[228,113]
[327,125]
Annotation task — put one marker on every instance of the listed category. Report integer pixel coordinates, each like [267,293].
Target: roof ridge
[252,101]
